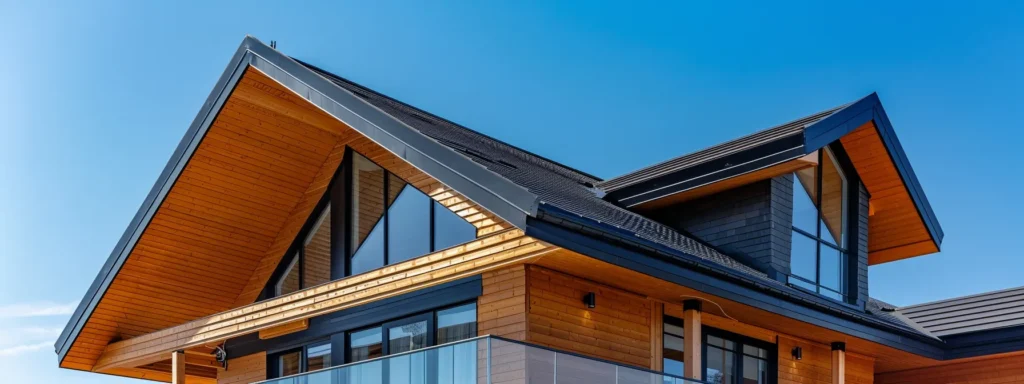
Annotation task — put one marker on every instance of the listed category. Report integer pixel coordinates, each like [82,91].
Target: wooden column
[692,338]
[178,367]
[838,363]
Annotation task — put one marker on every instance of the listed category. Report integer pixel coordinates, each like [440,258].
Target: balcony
[483,360]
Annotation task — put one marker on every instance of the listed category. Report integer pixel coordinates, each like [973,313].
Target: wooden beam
[178,367]
[495,251]
[692,360]
[284,329]
[838,363]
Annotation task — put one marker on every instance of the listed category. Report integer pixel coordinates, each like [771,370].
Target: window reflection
[450,229]
[408,225]
[456,324]
[318,357]
[367,215]
[317,251]
[290,363]
[365,345]
[289,281]
[407,337]
[673,349]
[819,236]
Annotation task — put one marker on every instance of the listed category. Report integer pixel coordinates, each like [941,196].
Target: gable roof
[974,313]
[906,225]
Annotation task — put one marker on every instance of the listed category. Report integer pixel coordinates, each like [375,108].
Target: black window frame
[341,248]
[274,358]
[849,253]
[739,341]
[341,341]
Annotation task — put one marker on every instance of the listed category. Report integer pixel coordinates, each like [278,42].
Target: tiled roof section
[716,152]
[558,185]
[986,311]
[890,314]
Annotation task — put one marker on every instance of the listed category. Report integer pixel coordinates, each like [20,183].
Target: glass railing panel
[484,360]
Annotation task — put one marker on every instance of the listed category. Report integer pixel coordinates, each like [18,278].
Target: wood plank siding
[994,370]
[216,238]
[617,329]
[244,370]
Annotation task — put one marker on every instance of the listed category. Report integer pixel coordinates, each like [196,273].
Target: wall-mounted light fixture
[798,353]
[590,299]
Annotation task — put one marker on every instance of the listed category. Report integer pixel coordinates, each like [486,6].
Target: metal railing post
[554,379]
[488,360]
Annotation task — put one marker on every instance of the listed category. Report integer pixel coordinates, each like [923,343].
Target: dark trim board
[565,230]
[495,193]
[763,156]
[447,294]
[988,342]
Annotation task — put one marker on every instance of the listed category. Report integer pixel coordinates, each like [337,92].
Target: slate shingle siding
[748,222]
[862,245]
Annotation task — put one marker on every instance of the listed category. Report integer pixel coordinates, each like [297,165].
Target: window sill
[816,294]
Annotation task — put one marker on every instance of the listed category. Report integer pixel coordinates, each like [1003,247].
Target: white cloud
[25,348]
[37,309]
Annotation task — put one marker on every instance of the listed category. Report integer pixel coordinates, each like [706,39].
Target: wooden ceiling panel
[229,206]
[896,230]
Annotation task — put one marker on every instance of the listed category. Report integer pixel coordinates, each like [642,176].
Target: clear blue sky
[93,99]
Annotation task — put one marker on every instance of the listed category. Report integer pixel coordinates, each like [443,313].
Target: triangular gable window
[381,220]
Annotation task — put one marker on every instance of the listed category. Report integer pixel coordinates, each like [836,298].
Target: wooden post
[692,338]
[178,367]
[838,363]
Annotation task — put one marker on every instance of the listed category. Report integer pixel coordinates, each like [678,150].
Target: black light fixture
[590,299]
[798,353]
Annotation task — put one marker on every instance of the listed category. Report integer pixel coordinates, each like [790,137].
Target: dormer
[812,203]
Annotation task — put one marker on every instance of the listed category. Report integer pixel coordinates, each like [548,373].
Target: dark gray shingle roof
[981,312]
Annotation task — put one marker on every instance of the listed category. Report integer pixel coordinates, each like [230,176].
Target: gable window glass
[382,220]
[393,221]
[819,236]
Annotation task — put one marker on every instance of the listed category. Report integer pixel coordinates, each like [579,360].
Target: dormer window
[819,240]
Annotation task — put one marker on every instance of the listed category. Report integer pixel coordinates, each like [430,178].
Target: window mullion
[387,223]
[817,225]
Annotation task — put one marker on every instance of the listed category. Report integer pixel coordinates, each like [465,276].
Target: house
[310,230]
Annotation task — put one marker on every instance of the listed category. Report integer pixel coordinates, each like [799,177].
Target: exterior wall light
[590,299]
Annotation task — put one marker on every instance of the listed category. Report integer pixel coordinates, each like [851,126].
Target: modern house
[310,230]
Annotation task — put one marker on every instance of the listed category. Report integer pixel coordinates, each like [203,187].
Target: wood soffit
[230,216]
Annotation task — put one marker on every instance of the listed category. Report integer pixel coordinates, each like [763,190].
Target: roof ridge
[457,125]
[622,180]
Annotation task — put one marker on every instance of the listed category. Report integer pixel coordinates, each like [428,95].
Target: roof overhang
[496,194]
[902,222]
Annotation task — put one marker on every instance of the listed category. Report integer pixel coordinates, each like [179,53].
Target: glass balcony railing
[483,360]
